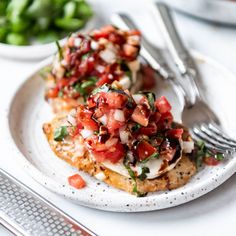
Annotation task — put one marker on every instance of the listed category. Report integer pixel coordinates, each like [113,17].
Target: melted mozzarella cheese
[154,165]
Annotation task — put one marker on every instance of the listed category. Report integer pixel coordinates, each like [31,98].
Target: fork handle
[179,53]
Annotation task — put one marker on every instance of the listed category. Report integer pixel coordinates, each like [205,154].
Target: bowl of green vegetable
[29,28]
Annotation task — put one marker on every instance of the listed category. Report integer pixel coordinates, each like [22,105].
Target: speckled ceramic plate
[29,111]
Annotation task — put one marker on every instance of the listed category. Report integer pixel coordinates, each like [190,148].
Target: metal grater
[24,212]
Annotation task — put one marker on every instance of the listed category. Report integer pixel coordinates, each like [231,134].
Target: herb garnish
[85,56]
[155,155]
[151,99]
[103,88]
[59,50]
[133,177]
[60,93]
[60,133]
[81,87]
[203,151]
[135,127]
[90,81]
[143,176]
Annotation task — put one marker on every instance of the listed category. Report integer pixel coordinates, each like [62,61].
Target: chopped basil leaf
[124,66]
[129,74]
[203,151]
[127,166]
[143,175]
[60,133]
[68,73]
[90,82]
[136,127]
[59,50]
[219,156]
[133,177]
[104,88]
[78,88]
[60,94]
[151,99]
[155,155]
[138,193]
[85,56]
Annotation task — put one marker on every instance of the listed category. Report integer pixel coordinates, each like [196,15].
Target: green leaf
[69,9]
[69,23]
[138,193]
[85,56]
[16,39]
[130,171]
[133,177]
[59,50]
[219,156]
[155,155]
[90,82]
[60,94]
[104,88]
[143,176]
[151,99]
[136,127]
[60,133]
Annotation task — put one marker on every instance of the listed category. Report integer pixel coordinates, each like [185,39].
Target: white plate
[37,51]
[29,111]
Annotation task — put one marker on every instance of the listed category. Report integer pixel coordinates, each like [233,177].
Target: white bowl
[37,51]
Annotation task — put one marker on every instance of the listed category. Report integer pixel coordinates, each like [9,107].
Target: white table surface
[212,214]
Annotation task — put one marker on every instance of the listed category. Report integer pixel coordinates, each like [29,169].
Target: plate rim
[118,204]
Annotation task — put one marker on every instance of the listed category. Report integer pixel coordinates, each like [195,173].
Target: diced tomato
[134,32]
[61,83]
[165,121]
[77,130]
[115,100]
[113,154]
[130,51]
[116,38]
[83,67]
[211,161]
[113,124]
[175,133]
[151,129]
[162,105]
[52,93]
[84,116]
[141,114]
[76,181]
[103,80]
[144,150]
[155,117]
[103,32]
[70,41]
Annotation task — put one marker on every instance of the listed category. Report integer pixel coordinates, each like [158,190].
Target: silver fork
[197,115]
[208,132]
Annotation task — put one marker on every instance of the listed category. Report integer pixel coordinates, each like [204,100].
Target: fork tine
[208,145]
[221,134]
[204,128]
[211,143]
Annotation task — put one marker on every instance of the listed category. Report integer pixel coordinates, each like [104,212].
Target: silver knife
[182,58]
[25,212]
